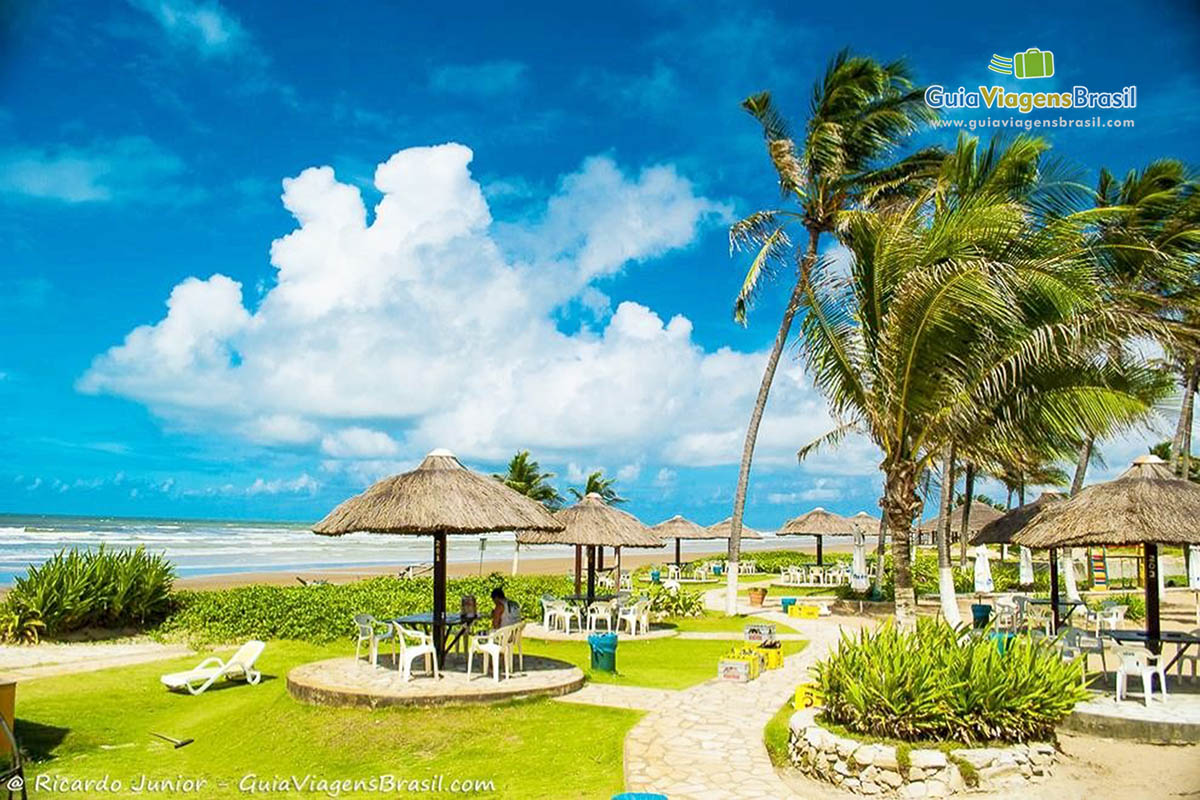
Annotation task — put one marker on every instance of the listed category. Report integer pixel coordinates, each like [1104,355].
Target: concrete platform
[355,682]
[535,631]
[1177,720]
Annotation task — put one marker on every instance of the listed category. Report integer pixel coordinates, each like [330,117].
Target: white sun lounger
[238,668]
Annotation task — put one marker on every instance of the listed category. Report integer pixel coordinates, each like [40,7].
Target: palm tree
[966,317]
[860,112]
[525,476]
[597,483]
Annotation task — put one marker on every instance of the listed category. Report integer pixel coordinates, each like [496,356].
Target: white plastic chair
[1075,642]
[604,581]
[493,646]
[673,572]
[369,631]
[1142,663]
[238,668]
[626,580]
[411,652]
[1191,659]
[1110,616]
[597,611]
[635,615]
[557,610]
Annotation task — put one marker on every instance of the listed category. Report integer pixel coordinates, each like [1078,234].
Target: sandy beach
[528,565]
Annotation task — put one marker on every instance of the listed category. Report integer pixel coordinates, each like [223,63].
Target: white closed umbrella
[1067,565]
[1193,567]
[1025,568]
[983,571]
[859,579]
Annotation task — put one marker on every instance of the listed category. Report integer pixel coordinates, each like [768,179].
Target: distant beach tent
[724,529]
[593,523]
[981,514]
[440,497]
[1146,505]
[679,528]
[821,523]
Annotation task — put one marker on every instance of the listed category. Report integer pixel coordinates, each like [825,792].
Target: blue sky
[540,263]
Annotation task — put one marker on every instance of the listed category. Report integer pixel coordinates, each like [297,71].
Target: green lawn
[656,663]
[713,622]
[776,735]
[97,724]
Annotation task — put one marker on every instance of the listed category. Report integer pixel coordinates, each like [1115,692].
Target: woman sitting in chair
[506,612]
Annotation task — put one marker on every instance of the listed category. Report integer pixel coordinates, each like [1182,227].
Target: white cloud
[359,443]
[483,79]
[125,169]
[629,473]
[304,484]
[205,26]
[435,326]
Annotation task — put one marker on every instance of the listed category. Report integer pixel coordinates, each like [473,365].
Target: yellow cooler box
[772,654]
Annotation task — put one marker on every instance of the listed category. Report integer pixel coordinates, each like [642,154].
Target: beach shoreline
[527,565]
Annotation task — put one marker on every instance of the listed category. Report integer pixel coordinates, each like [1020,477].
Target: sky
[255,256]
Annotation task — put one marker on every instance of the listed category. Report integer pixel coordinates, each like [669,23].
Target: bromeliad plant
[676,604]
[78,589]
[934,684]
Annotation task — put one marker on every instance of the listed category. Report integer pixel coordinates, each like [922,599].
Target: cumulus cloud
[433,325]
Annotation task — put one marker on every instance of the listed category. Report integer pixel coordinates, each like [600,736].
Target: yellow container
[750,656]
[808,695]
[772,657]
[804,612]
[8,702]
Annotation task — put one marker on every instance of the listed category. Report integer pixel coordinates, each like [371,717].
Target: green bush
[681,603]
[324,613]
[78,589]
[936,683]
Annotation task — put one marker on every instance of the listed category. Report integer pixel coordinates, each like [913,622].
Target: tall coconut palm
[526,476]
[598,484]
[963,312]
[859,113]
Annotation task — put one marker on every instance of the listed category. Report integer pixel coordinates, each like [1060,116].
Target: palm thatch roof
[1001,531]
[679,528]
[439,496]
[865,520]
[1147,504]
[591,521]
[819,522]
[981,514]
[724,529]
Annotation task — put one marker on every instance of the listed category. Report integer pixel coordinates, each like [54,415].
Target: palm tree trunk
[880,552]
[968,493]
[946,596]
[760,405]
[1085,455]
[900,506]
[1180,445]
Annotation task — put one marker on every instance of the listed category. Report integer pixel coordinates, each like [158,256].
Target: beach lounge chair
[411,652]
[372,631]
[238,668]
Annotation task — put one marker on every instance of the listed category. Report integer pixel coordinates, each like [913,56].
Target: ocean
[216,547]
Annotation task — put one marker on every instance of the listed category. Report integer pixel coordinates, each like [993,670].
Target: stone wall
[875,770]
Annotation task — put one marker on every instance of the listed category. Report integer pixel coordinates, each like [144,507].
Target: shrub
[681,603]
[324,613]
[936,683]
[78,589]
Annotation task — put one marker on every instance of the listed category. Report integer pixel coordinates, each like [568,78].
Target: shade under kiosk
[593,523]
[1146,505]
[439,498]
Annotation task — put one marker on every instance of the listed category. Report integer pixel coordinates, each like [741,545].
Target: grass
[713,622]
[97,724]
[654,663]
[776,735]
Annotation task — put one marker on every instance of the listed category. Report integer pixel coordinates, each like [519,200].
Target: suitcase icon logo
[1033,63]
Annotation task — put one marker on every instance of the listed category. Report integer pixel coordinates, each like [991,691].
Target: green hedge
[78,589]
[323,613]
[937,683]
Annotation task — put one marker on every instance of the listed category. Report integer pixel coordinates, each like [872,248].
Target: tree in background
[597,483]
[525,476]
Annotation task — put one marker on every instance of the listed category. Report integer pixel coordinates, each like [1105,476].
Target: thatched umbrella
[593,523]
[1001,529]
[438,498]
[981,514]
[679,528]
[821,523]
[724,529]
[1146,505]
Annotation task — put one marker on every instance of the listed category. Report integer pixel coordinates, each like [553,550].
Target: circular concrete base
[1174,721]
[355,682]
[536,631]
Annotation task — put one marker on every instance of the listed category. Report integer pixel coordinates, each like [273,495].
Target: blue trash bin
[604,651]
[981,614]
[655,576]
[787,603]
[639,796]
[718,569]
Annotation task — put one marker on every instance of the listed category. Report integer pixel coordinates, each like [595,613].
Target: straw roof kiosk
[1146,505]
[820,523]
[593,523]
[439,498]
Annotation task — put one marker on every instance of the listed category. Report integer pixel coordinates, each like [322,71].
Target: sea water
[215,547]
